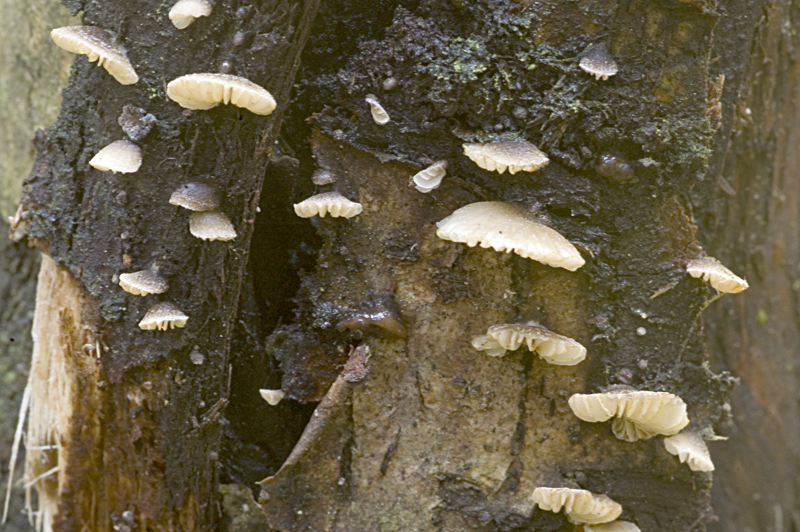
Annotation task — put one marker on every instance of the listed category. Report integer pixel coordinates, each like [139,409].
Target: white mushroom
[690,448]
[506,227]
[196,197]
[331,203]
[184,12]
[516,156]
[121,156]
[598,62]
[552,347]
[714,273]
[379,114]
[581,506]
[639,415]
[614,526]
[204,91]
[97,44]
[430,178]
[143,283]
[163,316]
[273,397]
[211,225]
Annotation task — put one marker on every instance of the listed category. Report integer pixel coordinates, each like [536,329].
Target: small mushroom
[211,225]
[331,203]
[430,178]
[379,114]
[581,506]
[184,12]
[97,44]
[136,122]
[598,62]
[516,156]
[714,273]
[640,415]
[143,283]
[614,526]
[380,317]
[552,347]
[505,227]
[690,448]
[321,176]
[198,197]
[273,397]
[163,316]
[121,156]
[614,165]
[204,91]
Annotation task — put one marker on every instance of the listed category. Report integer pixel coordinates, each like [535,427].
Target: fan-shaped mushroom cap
[514,155]
[640,415]
[185,11]
[273,397]
[431,177]
[211,225]
[581,506]
[328,202]
[99,46]
[598,62]
[121,156]
[196,197]
[143,283]
[204,91]
[163,316]
[506,227]
[690,448]
[614,526]
[552,347]
[714,273]
[379,114]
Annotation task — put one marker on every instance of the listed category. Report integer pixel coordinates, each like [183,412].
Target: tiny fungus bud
[516,156]
[552,347]
[505,227]
[389,83]
[97,44]
[211,225]
[143,283]
[717,275]
[614,165]
[121,156]
[243,12]
[239,38]
[379,114]
[690,449]
[204,91]
[273,397]
[581,506]
[520,113]
[598,62]
[135,122]
[614,526]
[430,178]
[163,316]
[322,176]
[331,203]
[196,197]
[381,318]
[226,67]
[184,12]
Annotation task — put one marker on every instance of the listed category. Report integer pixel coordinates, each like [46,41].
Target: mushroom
[328,202]
[321,176]
[506,227]
[99,46]
[143,283]
[713,272]
[121,156]
[196,197]
[379,114]
[184,12]
[614,526]
[431,177]
[163,316]
[640,415]
[552,347]
[581,506]
[516,156]
[690,448]
[211,225]
[204,91]
[273,397]
[136,122]
[598,62]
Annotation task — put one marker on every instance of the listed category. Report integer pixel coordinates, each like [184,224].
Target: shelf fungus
[614,526]
[163,316]
[639,415]
[717,275]
[98,45]
[273,397]
[598,62]
[691,449]
[184,12]
[581,506]
[505,227]
[121,156]
[211,225]
[331,203]
[143,283]
[379,114]
[514,156]
[198,197]
[204,91]
[552,347]
[430,178]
